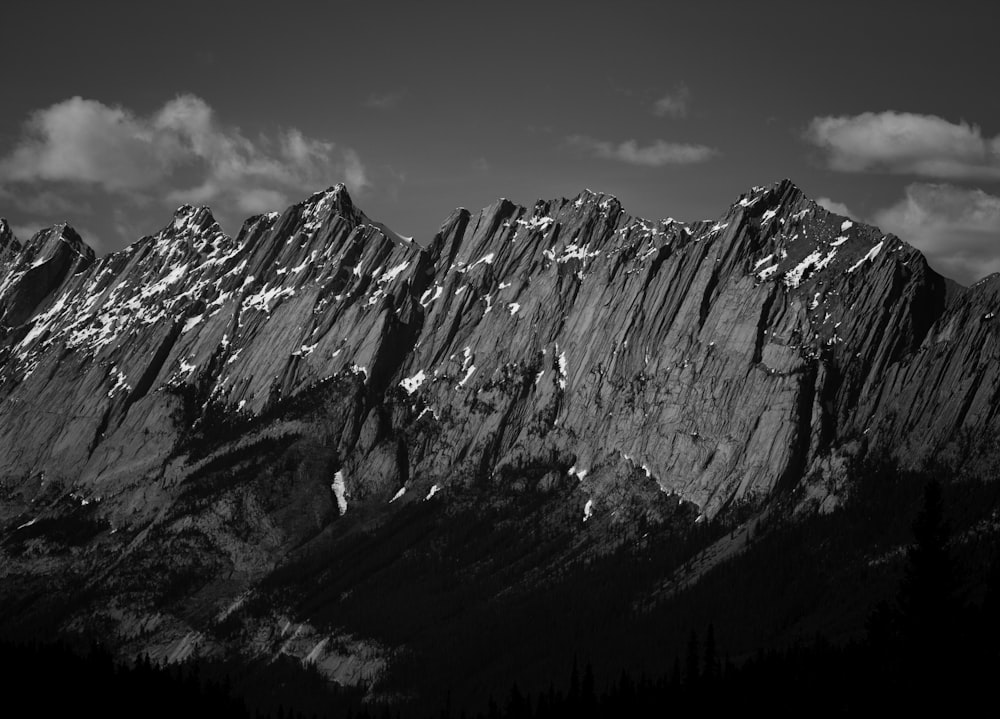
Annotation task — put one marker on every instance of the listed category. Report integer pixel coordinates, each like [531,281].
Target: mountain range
[325,440]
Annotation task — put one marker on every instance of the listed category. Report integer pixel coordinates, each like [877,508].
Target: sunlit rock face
[719,357]
[255,389]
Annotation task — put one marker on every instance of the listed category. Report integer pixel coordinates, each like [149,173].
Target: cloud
[907,144]
[958,229]
[838,208]
[50,204]
[125,227]
[355,175]
[673,104]
[85,141]
[259,201]
[656,154]
[384,100]
[180,152]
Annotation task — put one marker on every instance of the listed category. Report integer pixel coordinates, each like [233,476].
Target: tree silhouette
[588,691]
[574,685]
[928,609]
[518,706]
[991,610]
[712,667]
[692,670]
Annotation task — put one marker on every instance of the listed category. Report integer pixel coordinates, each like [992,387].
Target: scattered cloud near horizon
[656,154]
[957,228]
[907,144]
[673,104]
[180,153]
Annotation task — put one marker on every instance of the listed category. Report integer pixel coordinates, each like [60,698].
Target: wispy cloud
[838,208]
[48,203]
[656,154]
[385,100]
[673,104]
[957,228]
[180,152]
[906,143]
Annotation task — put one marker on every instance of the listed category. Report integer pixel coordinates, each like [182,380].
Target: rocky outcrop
[948,385]
[35,273]
[9,246]
[318,364]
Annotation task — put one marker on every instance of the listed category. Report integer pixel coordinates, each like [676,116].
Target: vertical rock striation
[721,358]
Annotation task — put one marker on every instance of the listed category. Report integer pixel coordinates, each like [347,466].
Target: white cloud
[906,143]
[49,204]
[180,152]
[958,229]
[657,154]
[674,104]
[838,208]
[86,141]
[355,176]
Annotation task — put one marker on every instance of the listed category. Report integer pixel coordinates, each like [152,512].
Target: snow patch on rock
[872,253]
[411,384]
[339,492]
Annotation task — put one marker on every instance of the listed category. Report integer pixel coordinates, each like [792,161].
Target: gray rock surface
[36,273]
[330,366]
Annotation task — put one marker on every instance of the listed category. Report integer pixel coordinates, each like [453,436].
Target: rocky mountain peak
[190,222]
[9,246]
[334,200]
[588,197]
[798,243]
[52,242]
[40,270]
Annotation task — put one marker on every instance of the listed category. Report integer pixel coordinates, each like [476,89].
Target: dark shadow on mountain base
[461,592]
[843,612]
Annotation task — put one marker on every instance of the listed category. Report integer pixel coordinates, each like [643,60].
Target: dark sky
[115,113]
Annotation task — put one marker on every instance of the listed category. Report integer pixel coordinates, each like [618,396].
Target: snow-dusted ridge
[320,291]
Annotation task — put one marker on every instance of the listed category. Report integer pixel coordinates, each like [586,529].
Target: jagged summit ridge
[35,273]
[9,245]
[621,331]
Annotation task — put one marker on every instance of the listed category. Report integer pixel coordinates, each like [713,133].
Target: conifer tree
[692,664]
[927,594]
[712,669]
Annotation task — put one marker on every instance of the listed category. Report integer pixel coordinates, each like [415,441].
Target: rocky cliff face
[35,273]
[251,390]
